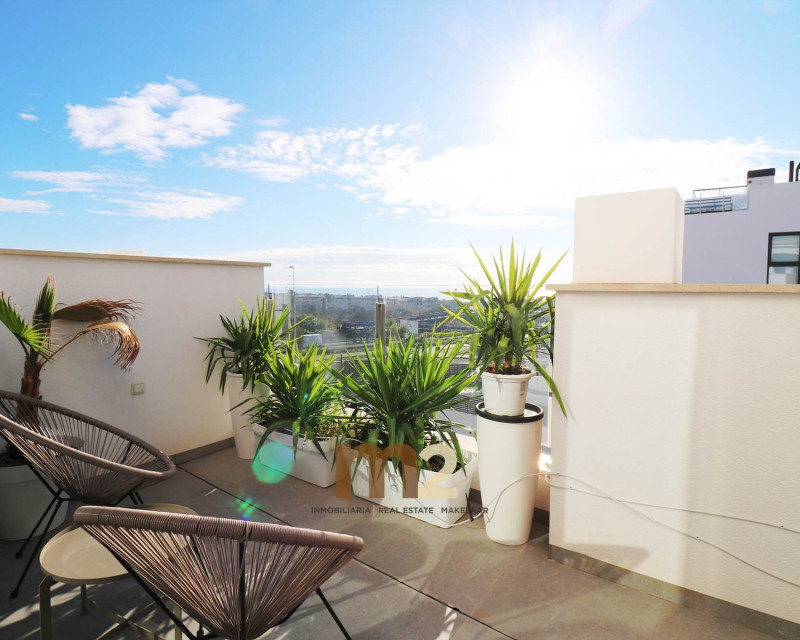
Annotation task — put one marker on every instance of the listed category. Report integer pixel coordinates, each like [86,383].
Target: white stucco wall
[180,300]
[731,246]
[629,237]
[687,398]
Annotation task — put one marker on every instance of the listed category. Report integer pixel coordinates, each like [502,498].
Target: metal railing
[716,200]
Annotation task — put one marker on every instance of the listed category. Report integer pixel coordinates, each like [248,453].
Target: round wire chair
[238,579]
[87,460]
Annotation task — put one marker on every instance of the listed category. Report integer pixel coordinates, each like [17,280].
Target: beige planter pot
[505,395]
[441,498]
[23,498]
[244,439]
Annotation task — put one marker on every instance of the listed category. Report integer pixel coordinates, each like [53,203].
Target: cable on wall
[631,505]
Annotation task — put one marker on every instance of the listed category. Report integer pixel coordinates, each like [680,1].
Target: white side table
[75,557]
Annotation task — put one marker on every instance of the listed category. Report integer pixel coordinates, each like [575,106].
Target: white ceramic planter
[243,437]
[505,395]
[509,448]
[23,498]
[309,465]
[427,506]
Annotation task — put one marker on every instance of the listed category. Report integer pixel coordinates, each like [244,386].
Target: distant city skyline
[370,143]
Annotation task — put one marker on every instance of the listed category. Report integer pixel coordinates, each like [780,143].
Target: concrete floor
[412,581]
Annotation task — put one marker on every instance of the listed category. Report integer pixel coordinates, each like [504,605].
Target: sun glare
[553,102]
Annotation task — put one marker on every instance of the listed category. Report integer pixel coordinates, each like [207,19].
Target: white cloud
[131,195]
[172,204]
[153,120]
[7,205]
[182,83]
[422,269]
[502,185]
[74,181]
[29,117]
[509,221]
[282,156]
[274,122]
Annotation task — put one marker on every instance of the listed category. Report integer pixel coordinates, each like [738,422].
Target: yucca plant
[510,319]
[41,343]
[304,398]
[246,343]
[397,391]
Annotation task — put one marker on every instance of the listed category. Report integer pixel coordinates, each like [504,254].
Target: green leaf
[32,339]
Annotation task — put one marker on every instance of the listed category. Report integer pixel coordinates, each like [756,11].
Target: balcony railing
[715,200]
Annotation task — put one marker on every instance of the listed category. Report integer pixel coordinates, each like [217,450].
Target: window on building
[784,258]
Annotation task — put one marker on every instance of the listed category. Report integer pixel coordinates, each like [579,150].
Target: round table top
[75,557]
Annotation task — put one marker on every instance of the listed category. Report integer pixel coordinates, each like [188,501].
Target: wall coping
[635,287]
[131,258]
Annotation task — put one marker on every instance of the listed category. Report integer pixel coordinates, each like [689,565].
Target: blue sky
[369,143]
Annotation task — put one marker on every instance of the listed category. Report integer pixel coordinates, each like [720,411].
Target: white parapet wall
[180,299]
[629,237]
[679,458]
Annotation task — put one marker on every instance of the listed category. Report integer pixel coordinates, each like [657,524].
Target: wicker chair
[238,579]
[87,460]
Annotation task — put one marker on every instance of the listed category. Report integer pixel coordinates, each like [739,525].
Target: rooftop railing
[717,199]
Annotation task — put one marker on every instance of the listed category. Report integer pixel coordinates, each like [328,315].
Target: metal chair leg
[21,550]
[35,553]
[333,614]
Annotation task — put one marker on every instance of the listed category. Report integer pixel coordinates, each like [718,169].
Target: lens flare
[246,507]
[273,462]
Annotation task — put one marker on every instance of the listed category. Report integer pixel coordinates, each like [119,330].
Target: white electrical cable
[629,504]
[669,508]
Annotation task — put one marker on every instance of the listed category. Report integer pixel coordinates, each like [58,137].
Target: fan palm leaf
[40,345]
[97,310]
[126,344]
[32,339]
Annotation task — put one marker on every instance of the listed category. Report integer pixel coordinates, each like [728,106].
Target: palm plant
[397,392]
[510,319]
[41,344]
[303,398]
[247,342]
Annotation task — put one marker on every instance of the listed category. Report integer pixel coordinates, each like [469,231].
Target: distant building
[411,325]
[744,235]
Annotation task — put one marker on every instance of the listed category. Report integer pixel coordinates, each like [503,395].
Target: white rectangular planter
[308,465]
[428,506]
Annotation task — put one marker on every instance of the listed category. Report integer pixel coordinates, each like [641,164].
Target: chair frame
[41,452]
[102,522]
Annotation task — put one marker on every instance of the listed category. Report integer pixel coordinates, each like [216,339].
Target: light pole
[293,301]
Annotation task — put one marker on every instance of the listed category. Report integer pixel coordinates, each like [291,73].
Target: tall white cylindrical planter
[508,461]
[244,439]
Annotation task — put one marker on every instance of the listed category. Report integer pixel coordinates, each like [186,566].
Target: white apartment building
[744,235]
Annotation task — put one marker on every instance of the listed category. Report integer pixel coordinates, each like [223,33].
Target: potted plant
[507,323]
[107,321]
[298,423]
[396,393]
[241,355]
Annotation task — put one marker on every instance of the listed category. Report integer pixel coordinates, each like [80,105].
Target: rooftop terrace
[412,581]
